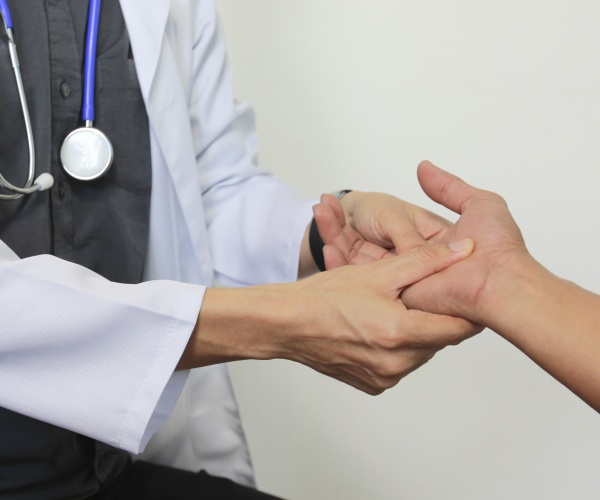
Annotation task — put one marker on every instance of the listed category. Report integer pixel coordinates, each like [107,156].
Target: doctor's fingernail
[462,245]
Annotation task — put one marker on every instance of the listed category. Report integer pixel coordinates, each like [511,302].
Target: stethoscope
[86,153]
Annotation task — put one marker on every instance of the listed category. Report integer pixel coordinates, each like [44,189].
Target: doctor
[92,362]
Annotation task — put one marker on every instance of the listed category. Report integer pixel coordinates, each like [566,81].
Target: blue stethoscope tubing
[89,71]
[6,14]
[45,180]
[86,153]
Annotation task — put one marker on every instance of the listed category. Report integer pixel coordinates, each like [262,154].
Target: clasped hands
[420,284]
[434,274]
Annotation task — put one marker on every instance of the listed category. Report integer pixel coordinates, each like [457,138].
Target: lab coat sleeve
[255,222]
[90,355]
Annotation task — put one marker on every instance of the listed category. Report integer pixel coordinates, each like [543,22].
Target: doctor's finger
[405,237]
[424,261]
[421,227]
[383,371]
[329,223]
[334,203]
[336,233]
[362,253]
[427,330]
[333,257]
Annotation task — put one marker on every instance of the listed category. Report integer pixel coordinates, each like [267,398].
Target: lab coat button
[65,89]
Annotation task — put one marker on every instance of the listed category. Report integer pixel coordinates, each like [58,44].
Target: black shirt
[102,225]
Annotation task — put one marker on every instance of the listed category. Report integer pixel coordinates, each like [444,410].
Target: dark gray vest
[102,225]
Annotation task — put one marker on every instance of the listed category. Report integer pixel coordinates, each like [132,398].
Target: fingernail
[461,245]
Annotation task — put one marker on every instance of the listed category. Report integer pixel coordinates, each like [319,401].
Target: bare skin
[348,323]
[500,286]
[365,227]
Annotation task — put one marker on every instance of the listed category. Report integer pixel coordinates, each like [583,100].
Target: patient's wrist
[513,293]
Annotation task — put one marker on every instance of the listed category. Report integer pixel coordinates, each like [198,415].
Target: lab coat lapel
[146,27]
[165,96]
[205,429]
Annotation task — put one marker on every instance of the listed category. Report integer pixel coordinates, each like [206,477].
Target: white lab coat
[97,357]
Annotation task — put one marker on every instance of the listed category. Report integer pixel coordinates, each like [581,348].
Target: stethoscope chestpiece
[86,154]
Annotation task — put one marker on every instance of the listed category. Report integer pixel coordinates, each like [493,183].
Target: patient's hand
[484,216]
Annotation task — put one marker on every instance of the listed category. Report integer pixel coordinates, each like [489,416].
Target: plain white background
[504,93]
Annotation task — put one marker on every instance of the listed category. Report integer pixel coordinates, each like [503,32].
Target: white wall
[506,94]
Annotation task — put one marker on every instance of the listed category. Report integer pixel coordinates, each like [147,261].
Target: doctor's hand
[348,323]
[363,227]
[499,247]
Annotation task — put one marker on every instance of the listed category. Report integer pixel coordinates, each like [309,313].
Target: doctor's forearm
[239,323]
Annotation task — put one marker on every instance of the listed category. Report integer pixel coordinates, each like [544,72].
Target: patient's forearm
[555,322]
